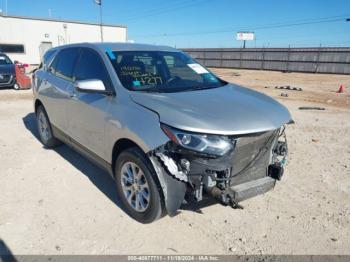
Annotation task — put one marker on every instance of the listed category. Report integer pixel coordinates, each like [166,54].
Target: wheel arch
[37,103]
[121,145]
[125,143]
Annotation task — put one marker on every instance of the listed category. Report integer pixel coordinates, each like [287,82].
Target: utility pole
[65,33]
[101,25]
[99,2]
[6,7]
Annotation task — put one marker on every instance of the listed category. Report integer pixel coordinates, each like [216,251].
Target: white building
[26,39]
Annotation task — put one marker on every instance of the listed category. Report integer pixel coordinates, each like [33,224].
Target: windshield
[157,71]
[4,60]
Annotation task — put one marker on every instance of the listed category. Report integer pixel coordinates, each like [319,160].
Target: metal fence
[311,60]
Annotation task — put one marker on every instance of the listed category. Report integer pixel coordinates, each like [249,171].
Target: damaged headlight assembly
[210,145]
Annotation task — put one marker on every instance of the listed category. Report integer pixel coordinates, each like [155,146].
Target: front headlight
[206,144]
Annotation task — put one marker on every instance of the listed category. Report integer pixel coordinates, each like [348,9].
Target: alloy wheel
[135,186]
[44,128]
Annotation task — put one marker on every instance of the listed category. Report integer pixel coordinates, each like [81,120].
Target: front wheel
[16,86]
[137,187]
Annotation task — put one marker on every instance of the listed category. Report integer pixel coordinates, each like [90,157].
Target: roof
[133,47]
[58,20]
[115,46]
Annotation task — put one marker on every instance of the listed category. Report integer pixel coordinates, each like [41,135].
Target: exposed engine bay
[250,166]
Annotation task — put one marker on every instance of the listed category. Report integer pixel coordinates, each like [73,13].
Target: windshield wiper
[146,88]
[199,88]
[161,89]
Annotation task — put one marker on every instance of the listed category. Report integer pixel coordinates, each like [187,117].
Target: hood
[227,110]
[7,69]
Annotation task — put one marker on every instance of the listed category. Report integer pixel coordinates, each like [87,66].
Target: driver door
[87,112]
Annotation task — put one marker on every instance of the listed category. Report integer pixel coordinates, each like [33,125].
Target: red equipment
[22,79]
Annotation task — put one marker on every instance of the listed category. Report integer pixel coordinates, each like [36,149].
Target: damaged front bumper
[251,169]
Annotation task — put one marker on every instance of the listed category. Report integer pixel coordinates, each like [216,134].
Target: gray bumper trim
[253,188]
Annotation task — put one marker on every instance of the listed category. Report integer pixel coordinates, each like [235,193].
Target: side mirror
[92,86]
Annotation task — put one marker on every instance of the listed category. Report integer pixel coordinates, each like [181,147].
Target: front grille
[252,156]
[4,79]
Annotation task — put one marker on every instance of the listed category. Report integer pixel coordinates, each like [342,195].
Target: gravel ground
[56,202]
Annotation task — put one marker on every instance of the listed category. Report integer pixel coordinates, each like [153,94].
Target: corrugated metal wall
[312,60]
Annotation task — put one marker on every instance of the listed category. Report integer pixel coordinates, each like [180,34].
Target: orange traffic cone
[341,89]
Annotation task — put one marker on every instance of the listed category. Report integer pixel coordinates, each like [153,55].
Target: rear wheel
[137,187]
[44,128]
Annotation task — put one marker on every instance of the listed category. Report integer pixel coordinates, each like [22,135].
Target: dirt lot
[56,202]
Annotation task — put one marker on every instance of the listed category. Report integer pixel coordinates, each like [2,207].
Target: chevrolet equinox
[167,129]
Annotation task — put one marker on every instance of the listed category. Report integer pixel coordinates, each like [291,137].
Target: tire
[45,129]
[144,210]
[16,87]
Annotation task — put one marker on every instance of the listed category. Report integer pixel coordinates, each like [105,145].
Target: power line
[246,29]
[269,26]
[139,12]
[299,38]
[169,9]
[283,37]
[140,8]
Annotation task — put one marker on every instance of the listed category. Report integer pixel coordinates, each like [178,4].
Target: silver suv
[167,130]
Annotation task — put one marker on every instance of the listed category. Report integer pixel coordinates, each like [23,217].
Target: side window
[90,66]
[66,61]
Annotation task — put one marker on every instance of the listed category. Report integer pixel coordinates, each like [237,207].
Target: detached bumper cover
[173,189]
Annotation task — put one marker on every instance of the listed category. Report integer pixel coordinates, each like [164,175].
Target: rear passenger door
[60,75]
[87,112]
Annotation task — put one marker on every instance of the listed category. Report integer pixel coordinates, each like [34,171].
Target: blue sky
[208,23]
